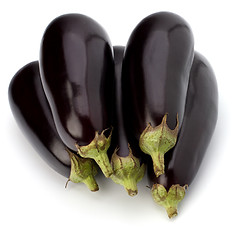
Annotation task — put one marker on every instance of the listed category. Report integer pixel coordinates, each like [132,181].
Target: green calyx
[83,170]
[127,171]
[169,200]
[97,150]
[156,141]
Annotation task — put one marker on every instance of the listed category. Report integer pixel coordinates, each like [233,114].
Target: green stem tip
[83,170]
[97,150]
[156,141]
[127,171]
[169,200]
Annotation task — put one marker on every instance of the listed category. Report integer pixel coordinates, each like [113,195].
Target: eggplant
[156,67]
[33,115]
[199,122]
[127,168]
[77,72]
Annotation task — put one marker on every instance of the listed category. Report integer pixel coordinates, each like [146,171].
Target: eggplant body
[77,71]
[127,168]
[119,138]
[156,67]
[33,115]
[199,122]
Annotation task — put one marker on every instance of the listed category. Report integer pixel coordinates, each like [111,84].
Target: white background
[34,203]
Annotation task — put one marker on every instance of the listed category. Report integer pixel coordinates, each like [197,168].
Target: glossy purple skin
[200,118]
[120,138]
[77,71]
[33,115]
[156,68]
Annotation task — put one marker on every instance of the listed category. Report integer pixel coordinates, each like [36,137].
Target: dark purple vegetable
[199,121]
[156,67]
[127,168]
[77,71]
[32,113]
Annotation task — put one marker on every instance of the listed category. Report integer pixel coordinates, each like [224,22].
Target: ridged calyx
[169,200]
[97,150]
[83,170]
[127,171]
[156,141]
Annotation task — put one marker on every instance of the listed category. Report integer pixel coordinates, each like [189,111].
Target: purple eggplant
[127,168]
[199,122]
[33,115]
[156,67]
[77,72]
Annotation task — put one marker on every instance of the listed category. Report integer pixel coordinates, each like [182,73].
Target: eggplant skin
[199,122]
[33,115]
[156,68]
[77,72]
[119,138]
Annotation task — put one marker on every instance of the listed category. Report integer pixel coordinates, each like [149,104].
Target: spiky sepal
[83,170]
[169,200]
[97,150]
[156,141]
[127,171]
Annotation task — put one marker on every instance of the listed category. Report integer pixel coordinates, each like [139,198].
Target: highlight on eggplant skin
[156,68]
[77,72]
[33,115]
[199,122]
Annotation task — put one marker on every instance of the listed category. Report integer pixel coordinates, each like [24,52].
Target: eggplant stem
[91,183]
[158,163]
[127,171]
[103,162]
[82,170]
[156,141]
[169,200]
[97,150]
